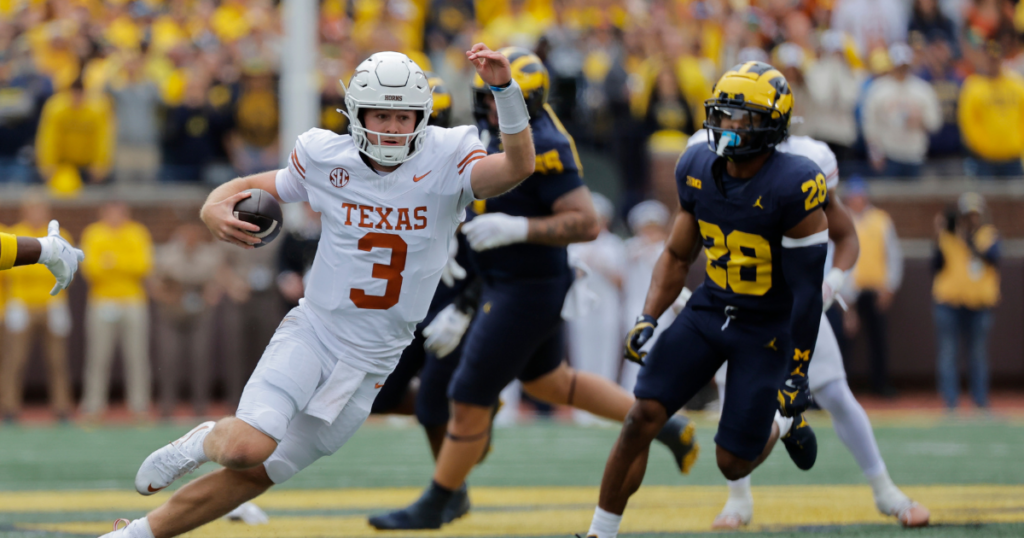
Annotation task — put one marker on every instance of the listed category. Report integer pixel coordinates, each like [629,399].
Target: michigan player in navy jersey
[758,214]
[519,244]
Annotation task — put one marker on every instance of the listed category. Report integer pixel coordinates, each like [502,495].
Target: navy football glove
[794,396]
[638,336]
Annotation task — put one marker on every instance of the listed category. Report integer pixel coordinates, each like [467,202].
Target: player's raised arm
[218,210]
[500,172]
[667,282]
[804,248]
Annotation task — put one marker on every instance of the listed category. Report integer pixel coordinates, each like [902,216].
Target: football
[262,210]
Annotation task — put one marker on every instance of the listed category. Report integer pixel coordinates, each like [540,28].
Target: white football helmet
[388,80]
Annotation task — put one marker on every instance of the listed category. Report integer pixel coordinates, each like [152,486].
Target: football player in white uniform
[391,195]
[826,374]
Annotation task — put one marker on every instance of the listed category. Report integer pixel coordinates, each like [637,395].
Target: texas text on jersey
[379,259]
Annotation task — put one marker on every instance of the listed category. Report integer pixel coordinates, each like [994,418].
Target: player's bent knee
[245,449]
[468,419]
[645,419]
[732,467]
[552,387]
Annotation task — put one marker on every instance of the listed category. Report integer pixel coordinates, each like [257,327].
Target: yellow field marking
[555,510]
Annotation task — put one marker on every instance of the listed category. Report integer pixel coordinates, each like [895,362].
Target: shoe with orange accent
[131,529]
[173,461]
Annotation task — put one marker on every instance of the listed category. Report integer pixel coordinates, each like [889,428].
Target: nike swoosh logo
[378,385]
[152,490]
[416,179]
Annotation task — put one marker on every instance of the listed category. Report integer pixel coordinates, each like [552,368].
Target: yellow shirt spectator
[117,259]
[31,284]
[964,278]
[991,114]
[880,264]
[76,128]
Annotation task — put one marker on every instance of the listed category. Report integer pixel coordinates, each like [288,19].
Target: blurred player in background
[594,334]
[390,195]
[758,214]
[826,374]
[519,242]
[648,221]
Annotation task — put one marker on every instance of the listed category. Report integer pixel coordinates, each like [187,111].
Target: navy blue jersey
[558,171]
[742,232]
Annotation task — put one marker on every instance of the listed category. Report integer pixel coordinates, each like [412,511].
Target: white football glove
[680,303]
[445,331]
[59,257]
[452,270]
[830,286]
[494,230]
[248,513]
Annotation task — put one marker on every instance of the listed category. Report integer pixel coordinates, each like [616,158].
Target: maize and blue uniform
[518,331]
[742,311]
[434,373]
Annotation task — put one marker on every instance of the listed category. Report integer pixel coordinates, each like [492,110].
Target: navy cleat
[457,506]
[426,513]
[680,436]
[801,443]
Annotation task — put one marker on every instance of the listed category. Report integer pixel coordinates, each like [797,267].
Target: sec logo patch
[339,177]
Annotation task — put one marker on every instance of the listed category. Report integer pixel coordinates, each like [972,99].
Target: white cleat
[736,513]
[249,513]
[893,502]
[118,533]
[172,461]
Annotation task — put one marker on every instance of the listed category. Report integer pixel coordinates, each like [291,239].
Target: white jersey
[385,237]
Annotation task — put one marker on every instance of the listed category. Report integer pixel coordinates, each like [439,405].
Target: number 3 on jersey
[746,251]
[392,272]
[816,191]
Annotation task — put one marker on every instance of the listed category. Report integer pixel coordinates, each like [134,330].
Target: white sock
[740,489]
[605,524]
[139,529]
[852,426]
[784,424]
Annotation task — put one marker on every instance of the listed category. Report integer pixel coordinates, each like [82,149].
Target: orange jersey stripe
[472,153]
[466,165]
[298,167]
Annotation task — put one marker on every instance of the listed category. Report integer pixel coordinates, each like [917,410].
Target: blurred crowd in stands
[134,91]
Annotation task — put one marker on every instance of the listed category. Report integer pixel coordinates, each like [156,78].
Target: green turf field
[540,480]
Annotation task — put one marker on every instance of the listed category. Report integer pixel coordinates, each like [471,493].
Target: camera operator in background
[965,289]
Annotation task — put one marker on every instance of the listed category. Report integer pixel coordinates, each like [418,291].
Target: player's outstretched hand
[794,396]
[444,333]
[493,230]
[642,331]
[220,218]
[493,67]
[57,255]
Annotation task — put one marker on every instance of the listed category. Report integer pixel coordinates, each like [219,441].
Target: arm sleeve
[992,254]
[291,180]
[894,259]
[803,196]
[557,172]
[289,186]
[686,194]
[803,261]
[468,151]
[970,129]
